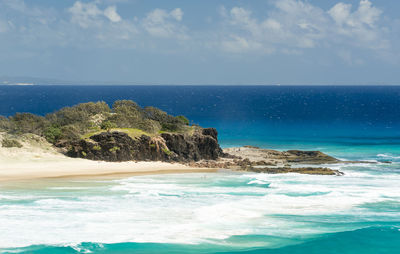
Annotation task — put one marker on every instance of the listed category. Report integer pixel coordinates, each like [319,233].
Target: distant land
[22,80]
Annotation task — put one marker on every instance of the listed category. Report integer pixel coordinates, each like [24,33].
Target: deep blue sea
[224,212]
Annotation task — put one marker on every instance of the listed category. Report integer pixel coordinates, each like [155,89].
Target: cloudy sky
[202,41]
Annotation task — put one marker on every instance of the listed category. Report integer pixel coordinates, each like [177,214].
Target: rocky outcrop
[119,146]
[259,160]
[256,154]
[300,170]
[200,145]
[308,157]
[198,149]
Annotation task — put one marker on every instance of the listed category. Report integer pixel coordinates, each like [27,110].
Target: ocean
[224,212]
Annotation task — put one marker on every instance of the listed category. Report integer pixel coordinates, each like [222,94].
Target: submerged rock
[309,157]
[301,170]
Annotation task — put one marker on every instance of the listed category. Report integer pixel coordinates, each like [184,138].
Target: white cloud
[240,44]
[89,14]
[84,14]
[111,13]
[292,24]
[365,15]
[340,13]
[286,27]
[297,24]
[361,26]
[161,23]
[177,14]
[272,24]
[368,14]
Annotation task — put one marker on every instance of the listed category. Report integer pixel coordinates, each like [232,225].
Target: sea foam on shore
[197,208]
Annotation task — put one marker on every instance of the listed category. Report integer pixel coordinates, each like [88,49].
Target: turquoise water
[223,212]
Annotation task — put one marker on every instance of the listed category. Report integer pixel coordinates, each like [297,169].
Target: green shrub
[79,115]
[127,114]
[167,122]
[149,126]
[166,151]
[114,149]
[107,125]
[28,123]
[11,143]
[4,124]
[183,120]
[53,134]
[70,123]
[170,127]
[96,148]
[156,114]
[70,132]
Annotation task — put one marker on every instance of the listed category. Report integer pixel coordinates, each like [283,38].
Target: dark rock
[115,146]
[199,146]
[118,146]
[211,132]
[309,157]
[303,170]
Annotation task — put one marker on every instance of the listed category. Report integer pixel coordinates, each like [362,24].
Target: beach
[34,161]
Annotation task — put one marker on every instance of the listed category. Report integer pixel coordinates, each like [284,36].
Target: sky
[255,42]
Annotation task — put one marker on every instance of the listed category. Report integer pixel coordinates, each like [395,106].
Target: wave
[368,240]
[389,156]
[195,209]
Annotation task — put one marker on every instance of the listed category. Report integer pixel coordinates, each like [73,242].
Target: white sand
[43,161]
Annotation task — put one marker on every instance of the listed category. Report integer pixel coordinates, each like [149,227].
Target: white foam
[258,182]
[69,188]
[193,208]
[384,155]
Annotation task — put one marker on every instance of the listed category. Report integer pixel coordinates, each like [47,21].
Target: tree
[28,123]
[107,125]
[126,114]
[4,124]
[53,134]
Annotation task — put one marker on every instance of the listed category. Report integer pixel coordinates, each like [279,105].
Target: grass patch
[132,132]
[167,152]
[114,149]
[96,148]
[8,143]
[185,130]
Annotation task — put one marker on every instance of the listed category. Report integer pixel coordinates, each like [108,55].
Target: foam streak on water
[199,208]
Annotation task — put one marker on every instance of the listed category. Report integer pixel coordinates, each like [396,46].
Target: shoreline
[90,169]
[38,159]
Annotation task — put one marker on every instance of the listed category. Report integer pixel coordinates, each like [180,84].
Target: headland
[93,139]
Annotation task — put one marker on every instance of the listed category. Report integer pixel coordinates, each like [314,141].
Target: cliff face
[118,146]
[199,146]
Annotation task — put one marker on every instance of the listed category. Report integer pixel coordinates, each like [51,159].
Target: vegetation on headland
[87,119]
[8,143]
[127,132]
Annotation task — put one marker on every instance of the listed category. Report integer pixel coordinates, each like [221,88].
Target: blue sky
[202,42]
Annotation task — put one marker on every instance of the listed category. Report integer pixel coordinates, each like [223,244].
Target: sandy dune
[38,159]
